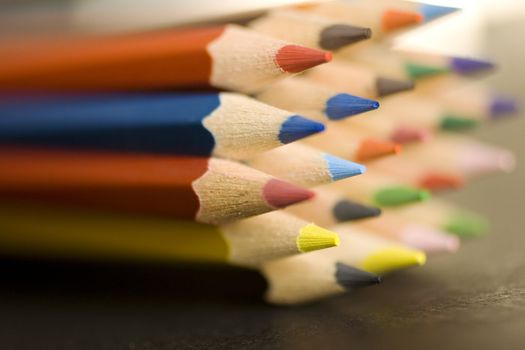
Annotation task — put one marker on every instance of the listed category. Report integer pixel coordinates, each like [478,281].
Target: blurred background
[473,298]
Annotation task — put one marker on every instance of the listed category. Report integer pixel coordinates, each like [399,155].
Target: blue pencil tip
[431,12]
[297,127]
[344,105]
[465,66]
[340,168]
[501,106]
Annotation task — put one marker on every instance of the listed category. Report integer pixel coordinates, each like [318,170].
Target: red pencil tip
[394,19]
[280,194]
[408,135]
[295,58]
[439,182]
[372,148]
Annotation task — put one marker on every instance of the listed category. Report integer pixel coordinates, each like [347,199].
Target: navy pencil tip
[465,66]
[297,127]
[431,12]
[345,105]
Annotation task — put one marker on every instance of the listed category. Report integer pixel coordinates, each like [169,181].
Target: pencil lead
[395,19]
[439,182]
[406,134]
[312,237]
[297,127]
[399,195]
[346,210]
[467,225]
[295,58]
[387,86]
[429,239]
[393,258]
[280,194]
[501,106]
[349,277]
[373,148]
[452,122]
[339,35]
[479,160]
[345,105]
[465,66]
[431,12]
[418,71]
[340,168]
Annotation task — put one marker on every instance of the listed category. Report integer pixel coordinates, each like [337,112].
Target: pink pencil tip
[408,135]
[280,194]
[481,160]
[429,239]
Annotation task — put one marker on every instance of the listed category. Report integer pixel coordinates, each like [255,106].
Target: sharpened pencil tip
[466,66]
[451,122]
[478,160]
[341,169]
[295,58]
[395,19]
[501,106]
[372,148]
[386,86]
[336,36]
[405,135]
[466,225]
[312,237]
[431,12]
[345,105]
[349,277]
[429,239]
[280,194]
[418,71]
[439,182]
[346,210]
[392,259]
[399,195]
[297,127]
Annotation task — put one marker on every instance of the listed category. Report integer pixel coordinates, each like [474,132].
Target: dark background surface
[475,298]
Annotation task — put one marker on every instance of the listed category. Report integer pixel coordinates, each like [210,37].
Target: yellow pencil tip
[393,258]
[312,237]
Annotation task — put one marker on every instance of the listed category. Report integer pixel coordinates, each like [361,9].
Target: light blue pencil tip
[431,12]
[345,105]
[297,127]
[340,168]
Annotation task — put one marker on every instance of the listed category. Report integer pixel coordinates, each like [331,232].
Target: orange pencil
[227,57]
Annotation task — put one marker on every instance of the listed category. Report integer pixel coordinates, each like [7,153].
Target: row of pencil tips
[298,143]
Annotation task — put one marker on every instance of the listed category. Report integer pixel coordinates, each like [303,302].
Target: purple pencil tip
[466,66]
[501,106]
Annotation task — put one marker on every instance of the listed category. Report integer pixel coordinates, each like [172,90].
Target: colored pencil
[429,12]
[304,165]
[381,20]
[416,65]
[226,57]
[380,190]
[426,112]
[349,143]
[58,232]
[461,156]
[226,125]
[421,236]
[445,216]
[366,251]
[357,80]
[313,100]
[203,189]
[418,174]
[296,280]
[309,29]
[329,208]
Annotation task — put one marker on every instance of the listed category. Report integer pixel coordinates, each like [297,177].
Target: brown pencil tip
[373,148]
[338,35]
[295,58]
[439,182]
[386,86]
[395,19]
[280,194]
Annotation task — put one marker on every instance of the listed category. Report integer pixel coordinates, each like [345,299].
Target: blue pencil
[204,124]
